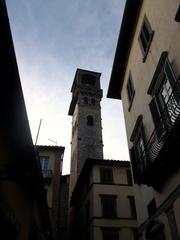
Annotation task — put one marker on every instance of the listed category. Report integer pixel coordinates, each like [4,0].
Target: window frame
[111,210]
[145,29]
[132,205]
[44,159]
[138,160]
[106,175]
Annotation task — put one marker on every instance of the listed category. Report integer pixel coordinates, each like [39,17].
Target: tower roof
[90,77]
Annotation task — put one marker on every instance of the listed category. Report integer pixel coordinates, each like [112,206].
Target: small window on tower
[93,101]
[90,120]
[85,100]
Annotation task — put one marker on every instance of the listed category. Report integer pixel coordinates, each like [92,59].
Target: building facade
[86,121]
[103,202]
[51,160]
[23,208]
[145,76]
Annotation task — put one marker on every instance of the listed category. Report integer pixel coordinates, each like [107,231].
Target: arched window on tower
[90,120]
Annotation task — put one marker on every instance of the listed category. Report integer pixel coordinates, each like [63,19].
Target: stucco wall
[161,14]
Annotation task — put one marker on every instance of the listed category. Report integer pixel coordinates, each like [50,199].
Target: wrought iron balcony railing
[168,121]
[162,134]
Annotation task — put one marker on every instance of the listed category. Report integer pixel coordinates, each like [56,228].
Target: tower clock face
[88,79]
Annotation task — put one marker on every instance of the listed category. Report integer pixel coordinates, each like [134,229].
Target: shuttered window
[109,206]
[106,175]
[145,37]
[132,206]
[138,152]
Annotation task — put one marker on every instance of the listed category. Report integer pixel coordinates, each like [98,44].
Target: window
[145,37]
[90,120]
[110,233]
[93,101]
[139,144]
[166,96]
[108,206]
[88,79]
[132,206]
[130,91]
[106,175]
[44,162]
[138,152]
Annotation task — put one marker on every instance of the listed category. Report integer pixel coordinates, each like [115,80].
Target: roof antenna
[53,141]
[38,131]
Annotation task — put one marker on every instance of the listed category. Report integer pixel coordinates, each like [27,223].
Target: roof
[84,71]
[129,21]
[109,162]
[87,167]
[50,147]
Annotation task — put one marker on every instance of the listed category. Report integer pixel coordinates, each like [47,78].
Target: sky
[52,38]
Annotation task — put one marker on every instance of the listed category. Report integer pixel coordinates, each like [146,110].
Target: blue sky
[53,38]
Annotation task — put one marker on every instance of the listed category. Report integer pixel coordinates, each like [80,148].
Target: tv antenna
[38,131]
[53,141]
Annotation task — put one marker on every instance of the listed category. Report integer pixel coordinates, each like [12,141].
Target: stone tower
[86,121]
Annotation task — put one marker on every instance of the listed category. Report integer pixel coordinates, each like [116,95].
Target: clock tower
[85,110]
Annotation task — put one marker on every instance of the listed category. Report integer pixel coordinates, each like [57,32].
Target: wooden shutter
[155,112]
[156,115]
[172,80]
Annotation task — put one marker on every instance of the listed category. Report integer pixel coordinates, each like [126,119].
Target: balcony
[47,176]
[160,158]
